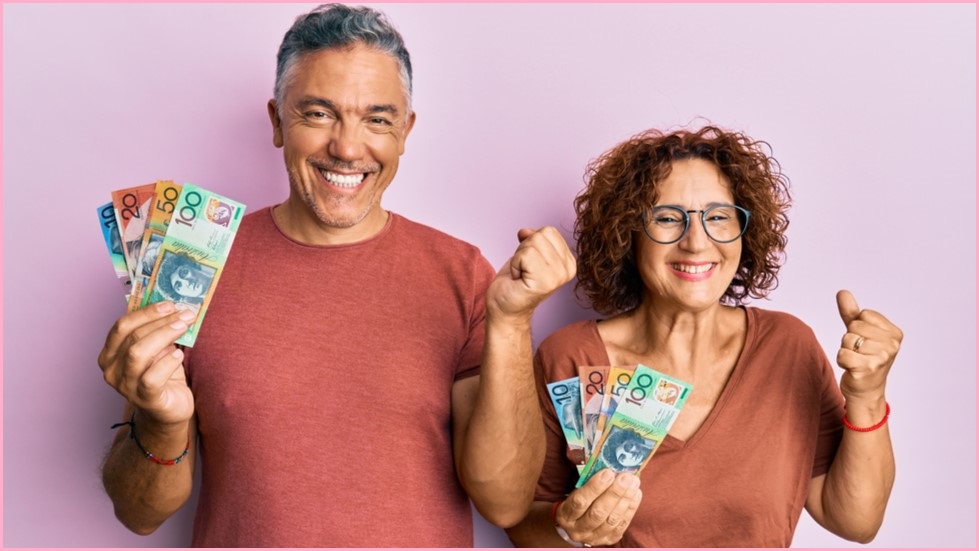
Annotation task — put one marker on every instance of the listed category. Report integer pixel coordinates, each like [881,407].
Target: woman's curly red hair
[623,182]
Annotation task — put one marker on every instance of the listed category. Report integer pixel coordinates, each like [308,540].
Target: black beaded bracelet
[132,435]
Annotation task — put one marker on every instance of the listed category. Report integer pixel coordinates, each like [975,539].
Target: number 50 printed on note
[193,253]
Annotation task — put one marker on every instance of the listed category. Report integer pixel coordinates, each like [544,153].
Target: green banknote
[161,209]
[565,395]
[113,243]
[642,419]
[193,252]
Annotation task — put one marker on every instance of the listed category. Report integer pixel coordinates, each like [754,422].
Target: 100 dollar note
[193,253]
[642,419]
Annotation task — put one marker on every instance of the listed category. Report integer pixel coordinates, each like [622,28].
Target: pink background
[871,110]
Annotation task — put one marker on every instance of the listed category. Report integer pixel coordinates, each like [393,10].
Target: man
[358,375]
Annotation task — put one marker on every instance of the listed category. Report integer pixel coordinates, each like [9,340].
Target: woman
[674,231]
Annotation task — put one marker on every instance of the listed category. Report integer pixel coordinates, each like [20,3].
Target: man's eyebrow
[316,102]
[383,108]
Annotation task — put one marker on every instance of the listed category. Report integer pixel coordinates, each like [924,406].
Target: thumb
[847,304]
[524,233]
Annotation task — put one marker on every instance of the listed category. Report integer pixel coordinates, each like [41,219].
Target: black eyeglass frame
[703,221]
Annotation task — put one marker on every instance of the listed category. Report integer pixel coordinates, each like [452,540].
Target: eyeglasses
[669,223]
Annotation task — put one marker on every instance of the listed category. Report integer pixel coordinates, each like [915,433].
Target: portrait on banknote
[625,450]
[182,279]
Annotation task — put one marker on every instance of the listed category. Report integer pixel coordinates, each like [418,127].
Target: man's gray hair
[332,26]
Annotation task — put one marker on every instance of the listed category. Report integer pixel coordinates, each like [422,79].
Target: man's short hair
[334,26]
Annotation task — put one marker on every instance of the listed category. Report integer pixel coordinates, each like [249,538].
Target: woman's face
[187,283]
[693,273]
[630,454]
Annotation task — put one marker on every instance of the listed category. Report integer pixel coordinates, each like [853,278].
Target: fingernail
[178,325]
[178,353]
[628,482]
[187,315]
[605,476]
[164,307]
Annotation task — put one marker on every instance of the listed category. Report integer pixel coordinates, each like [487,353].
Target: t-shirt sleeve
[472,352]
[831,416]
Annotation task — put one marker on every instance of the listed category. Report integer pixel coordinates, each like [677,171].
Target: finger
[129,322]
[578,503]
[624,488]
[538,251]
[619,518]
[144,344]
[848,307]
[524,233]
[156,376]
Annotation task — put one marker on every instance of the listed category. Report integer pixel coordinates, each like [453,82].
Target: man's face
[342,127]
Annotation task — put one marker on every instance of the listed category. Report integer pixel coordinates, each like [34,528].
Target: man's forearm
[145,493]
[504,445]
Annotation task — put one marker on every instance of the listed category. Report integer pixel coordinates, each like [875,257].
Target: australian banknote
[615,384]
[592,381]
[566,397]
[193,252]
[132,206]
[113,243]
[161,209]
[646,410]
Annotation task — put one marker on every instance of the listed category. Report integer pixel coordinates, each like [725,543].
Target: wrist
[864,412]
[161,435]
[861,426]
[564,535]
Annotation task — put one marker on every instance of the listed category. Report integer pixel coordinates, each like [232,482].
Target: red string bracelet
[132,436]
[887,413]
[554,510]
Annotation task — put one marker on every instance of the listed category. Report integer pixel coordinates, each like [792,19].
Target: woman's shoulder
[783,328]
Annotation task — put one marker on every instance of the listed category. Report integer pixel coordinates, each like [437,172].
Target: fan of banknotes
[169,241]
[616,417]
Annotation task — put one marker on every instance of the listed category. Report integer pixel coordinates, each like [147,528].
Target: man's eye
[316,115]
[379,121]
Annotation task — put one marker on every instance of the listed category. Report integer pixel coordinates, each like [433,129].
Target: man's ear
[409,124]
[276,124]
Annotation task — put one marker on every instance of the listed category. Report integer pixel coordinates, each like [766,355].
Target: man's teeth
[343,180]
[698,269]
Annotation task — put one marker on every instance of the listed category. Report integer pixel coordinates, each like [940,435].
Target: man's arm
[144,494]
[141,362]
[498,432]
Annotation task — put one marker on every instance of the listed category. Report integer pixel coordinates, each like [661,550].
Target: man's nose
[347,142]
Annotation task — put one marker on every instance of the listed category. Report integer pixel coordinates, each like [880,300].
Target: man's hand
[141,361]
[541,264]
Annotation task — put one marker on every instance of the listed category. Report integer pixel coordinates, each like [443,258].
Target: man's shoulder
[434,238]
